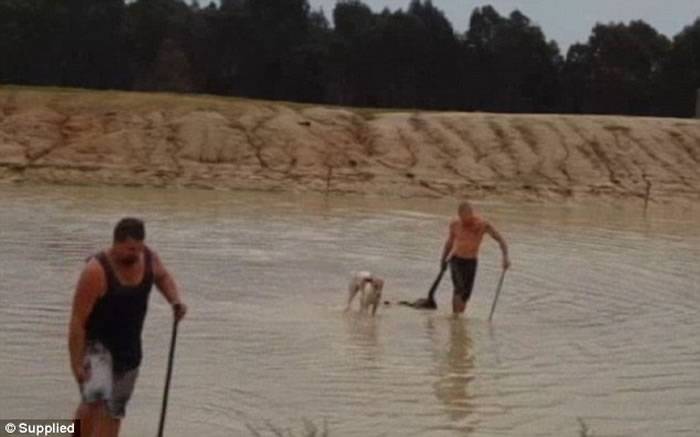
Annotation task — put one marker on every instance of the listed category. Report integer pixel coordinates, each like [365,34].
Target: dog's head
[373,283]
[366,282]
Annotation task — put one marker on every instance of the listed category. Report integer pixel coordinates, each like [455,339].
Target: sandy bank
[83,137]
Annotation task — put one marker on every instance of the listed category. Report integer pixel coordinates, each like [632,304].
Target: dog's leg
[351,296]
[378,287]
[352,291]
[367,290]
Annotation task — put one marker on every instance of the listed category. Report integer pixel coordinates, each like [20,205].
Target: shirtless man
[109,308]
[461,251]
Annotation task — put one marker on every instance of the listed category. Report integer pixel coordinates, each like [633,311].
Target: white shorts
[103,384]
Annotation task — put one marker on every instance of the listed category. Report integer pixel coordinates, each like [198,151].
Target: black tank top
[117,318]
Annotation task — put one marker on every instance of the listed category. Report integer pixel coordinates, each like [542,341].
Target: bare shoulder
[93,270]
[491,230]
[489,227]
[91,287]
[157,264]
[92,280]
[155,258]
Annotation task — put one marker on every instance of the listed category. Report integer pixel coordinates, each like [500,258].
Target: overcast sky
[565,21]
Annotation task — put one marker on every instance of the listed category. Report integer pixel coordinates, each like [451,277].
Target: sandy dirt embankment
[61,136]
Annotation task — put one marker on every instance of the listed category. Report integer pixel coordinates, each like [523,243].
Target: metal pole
[164,408]
[498,292]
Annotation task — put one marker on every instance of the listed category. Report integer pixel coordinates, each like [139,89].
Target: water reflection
[363,333]
[454,369]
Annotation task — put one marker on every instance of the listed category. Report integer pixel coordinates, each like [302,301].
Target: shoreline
[78,137]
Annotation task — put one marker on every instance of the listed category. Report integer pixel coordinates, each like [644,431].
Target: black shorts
[463,273]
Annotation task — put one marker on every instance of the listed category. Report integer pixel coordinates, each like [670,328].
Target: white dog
[370,287]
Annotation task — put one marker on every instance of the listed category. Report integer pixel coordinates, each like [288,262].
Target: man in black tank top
[109,309]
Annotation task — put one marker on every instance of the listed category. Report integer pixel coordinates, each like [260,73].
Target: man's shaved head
[465,208]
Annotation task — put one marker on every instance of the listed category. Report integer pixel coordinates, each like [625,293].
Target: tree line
[407,58]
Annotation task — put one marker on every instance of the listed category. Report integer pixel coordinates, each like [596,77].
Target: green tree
[617,68]
[438,62]
[74,42]
[576,77]
[679,78]
[158,30]
[512,67]
[351,57]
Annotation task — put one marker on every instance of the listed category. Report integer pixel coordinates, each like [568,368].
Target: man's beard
[128,260]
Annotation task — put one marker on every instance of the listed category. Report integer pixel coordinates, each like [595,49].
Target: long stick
[498,292]
[167,378]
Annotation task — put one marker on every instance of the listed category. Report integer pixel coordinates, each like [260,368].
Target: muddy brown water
[596,331]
